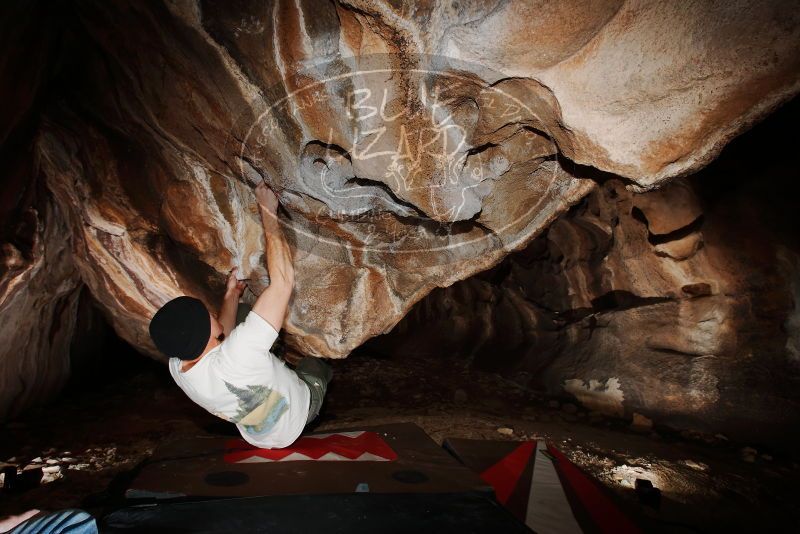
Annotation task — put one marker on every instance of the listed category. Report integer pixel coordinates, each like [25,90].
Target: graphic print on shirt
[259,408]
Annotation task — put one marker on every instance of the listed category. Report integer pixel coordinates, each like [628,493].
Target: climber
[228,369]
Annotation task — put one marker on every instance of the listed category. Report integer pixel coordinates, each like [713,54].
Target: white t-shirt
[242,382]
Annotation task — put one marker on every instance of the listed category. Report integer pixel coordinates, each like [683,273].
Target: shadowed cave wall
[679,304]
[632,281]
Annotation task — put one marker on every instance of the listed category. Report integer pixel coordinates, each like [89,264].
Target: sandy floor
[89,440]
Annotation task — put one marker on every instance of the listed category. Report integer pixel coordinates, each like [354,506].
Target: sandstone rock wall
[38,304]
[39,285]
[679,304]
[413,144]
[347,109]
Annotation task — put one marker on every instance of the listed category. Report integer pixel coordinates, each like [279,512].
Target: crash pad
[398,458]
[352,513]
[538,484]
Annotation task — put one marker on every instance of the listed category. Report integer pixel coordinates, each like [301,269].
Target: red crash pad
[540,486]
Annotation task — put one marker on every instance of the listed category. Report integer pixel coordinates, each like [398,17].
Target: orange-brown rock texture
[412,144]
[39,284]
[680,304]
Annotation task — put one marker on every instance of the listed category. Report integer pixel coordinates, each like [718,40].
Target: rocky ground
[86,442]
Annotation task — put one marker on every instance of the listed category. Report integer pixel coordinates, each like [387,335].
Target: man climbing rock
[228,369]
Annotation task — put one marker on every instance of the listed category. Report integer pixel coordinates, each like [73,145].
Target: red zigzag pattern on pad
[347,446]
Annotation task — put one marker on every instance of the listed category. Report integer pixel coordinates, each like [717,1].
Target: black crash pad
[353,513]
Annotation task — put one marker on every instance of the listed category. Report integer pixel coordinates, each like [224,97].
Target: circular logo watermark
[390,156]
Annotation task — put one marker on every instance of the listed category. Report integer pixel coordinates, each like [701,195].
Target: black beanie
[180,329]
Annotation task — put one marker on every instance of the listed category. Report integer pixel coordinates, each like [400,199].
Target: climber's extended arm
[272,304]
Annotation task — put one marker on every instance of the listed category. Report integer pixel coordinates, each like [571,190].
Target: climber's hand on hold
[267,199]
[234,286]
